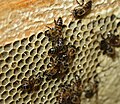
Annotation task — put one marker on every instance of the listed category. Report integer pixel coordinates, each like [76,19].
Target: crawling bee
[82,10]
[56,32]
[77,85]
[26,87]
[107,48]
[113,40]
[66,95]
[91,89]
[32,84]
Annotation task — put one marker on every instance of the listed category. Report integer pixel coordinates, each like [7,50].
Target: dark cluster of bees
[62,55]
[71,93]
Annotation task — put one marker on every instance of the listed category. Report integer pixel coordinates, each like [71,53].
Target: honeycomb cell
[12,78]
[36,58]
[33,97]
[14,64]
[17,57]
[43,41]
[21,49]
[24,41]
[39,35]
[49,96]
[43,98]
[16,96]
[71,25]
[28,73]
[1,101]
[1,89]
[12,91]
[46,60]
[42,67]
[37,43]
[9,73]
[79,23]
[4,55]
[26,99]
[83,27]
[95,23]
[39,63]
[32,65]
[68,32]
[7,47]
[1,63]
[32,38]
[5,68]
[21,62]
[24,68]
[28,60]
[37,100]
[16,83]
[8,100]
[25,54]
[16,44]
[29,47]
[4,94]
[44,54]
[33,52]
[101,21]
[9,59]
[5,81]
[12,102]
[40,49]
[20,76]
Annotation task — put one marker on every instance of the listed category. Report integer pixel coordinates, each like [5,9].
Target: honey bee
[26,87]
[113,40]
[32,84]
[58,24]
[91,89]
[82,10]
[66,95]
[77,85]
[107,48]
[52,70]
[54,33]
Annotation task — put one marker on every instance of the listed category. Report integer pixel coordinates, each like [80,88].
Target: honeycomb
[29,56]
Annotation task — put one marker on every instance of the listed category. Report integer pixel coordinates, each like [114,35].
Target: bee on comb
[82,10]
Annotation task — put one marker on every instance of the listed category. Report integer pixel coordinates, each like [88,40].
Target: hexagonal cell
[4,94]
[32,38]
[24,41]
[7,47]
[29,46]
[17,57]
[21,49]
[28,60]
[4,55]
[16,44]
[12,91]
[1,89]
[5,68]
[5,81]
[1,63]
[8,100]
[8,59]
[25,54]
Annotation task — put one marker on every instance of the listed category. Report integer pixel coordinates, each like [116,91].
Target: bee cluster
[72,93]
[61,55]
[32,83]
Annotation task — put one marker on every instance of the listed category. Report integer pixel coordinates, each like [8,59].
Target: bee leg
[79,3]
